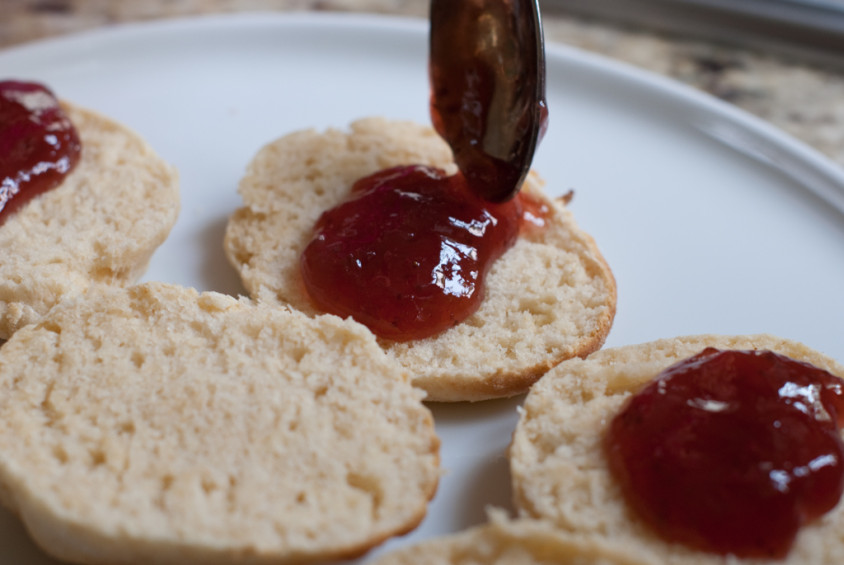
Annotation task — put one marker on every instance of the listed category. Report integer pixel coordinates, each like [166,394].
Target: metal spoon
[487,72]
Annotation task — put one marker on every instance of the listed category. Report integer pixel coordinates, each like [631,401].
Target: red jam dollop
[407,252]
[38,144]
[731,452]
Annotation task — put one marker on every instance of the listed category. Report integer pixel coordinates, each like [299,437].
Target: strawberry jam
[38,144]
[406,254]
[731,452]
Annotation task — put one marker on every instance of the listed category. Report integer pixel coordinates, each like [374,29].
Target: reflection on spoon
[487,71]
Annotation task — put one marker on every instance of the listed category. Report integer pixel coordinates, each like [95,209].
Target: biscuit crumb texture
[100,225]
[503,541]
[557,461]
[550,297]
[157,425]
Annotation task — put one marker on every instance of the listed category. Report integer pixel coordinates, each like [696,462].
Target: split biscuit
[514,542]
[100,225]
[548,298]
[559,469]
[157,425]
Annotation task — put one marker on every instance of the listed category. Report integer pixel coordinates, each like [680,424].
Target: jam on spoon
[731,452]
[38,144]
[407,253]
[487,73]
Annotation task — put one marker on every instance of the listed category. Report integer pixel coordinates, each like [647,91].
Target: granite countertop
[805,101]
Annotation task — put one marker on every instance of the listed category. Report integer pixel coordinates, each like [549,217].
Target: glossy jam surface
[732,452]
[487,75]
[407,252]
[38,144]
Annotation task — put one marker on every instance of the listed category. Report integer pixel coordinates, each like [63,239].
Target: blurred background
[808,29]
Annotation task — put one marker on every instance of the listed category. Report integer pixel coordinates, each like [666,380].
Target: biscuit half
[100,225]
[515,542]
[549,298]
[157,425]
[557,461]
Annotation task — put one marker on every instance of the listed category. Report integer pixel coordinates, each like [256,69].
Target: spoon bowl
[487,73]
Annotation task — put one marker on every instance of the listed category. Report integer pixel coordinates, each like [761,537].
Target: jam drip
[406,254]
[487,74]
[38,144]
[732,452]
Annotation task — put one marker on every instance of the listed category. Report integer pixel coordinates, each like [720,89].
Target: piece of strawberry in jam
[731,452]
[38,144]
[406,254]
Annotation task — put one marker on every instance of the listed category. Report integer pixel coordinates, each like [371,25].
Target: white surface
[711,220]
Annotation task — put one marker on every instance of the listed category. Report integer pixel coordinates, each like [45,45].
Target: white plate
[711,220]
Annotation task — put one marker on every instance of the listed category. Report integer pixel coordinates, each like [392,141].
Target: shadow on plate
[217,273]
[489,486]
[16,547]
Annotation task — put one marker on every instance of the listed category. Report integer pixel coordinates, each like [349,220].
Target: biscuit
[153,424]
[100,225]
[514,542]
[559,470]
[550,297]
